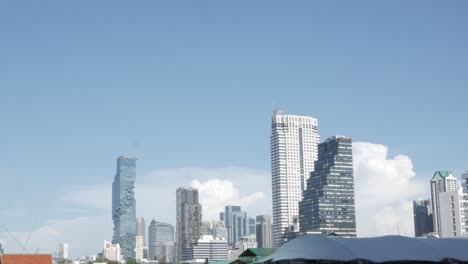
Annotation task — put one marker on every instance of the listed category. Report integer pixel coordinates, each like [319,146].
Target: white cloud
[215,194]
[385,188]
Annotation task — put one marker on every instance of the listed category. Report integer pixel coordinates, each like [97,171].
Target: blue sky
[193,84]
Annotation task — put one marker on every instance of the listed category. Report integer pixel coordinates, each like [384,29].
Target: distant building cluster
[445,214]
[312,193]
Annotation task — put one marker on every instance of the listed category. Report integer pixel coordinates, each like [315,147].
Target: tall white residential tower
[442,181]
[294,141]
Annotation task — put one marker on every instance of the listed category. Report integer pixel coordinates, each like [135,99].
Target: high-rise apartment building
[158,234]
[422,213]
[263,235]
[124,206]
[441,181]
[141,229]
[236,223]
[452,214]
[188,220]
[328,203]
[294,141]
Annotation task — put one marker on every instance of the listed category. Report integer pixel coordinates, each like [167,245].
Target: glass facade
[159,234]
[236,223]
[422,213]
[124,206]
[328,203]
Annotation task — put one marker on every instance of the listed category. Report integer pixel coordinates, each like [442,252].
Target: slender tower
[124,206]
[188,221]
[294,141]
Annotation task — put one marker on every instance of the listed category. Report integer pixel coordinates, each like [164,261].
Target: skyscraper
[422,213]
[294,141]
[328,203]
[263,235]
[441,181]
[158,234]
[236,223]
[188,220]
[141,229]
[124,206]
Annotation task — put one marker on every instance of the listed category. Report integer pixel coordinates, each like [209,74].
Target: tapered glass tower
[124,206]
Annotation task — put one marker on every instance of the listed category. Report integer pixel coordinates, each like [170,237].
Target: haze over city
[189,89]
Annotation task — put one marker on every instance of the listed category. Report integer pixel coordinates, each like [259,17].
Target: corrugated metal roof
[376,249]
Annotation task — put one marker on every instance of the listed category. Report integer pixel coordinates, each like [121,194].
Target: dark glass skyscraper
[328,203]
[423,224]
[124,206]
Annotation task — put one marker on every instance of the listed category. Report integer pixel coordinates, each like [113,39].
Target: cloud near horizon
[384,189]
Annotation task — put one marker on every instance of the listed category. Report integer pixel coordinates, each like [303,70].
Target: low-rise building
[207,247]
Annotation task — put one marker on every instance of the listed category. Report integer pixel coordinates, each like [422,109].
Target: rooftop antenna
[16,240]
[398,229]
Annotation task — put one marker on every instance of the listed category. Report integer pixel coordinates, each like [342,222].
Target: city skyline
[84,83]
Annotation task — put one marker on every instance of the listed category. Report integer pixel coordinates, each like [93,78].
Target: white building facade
[139,245]
[452,218]
[294,141]
[207,247]
[63,251]
[112,252]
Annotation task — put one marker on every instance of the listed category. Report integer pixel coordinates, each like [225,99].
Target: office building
[112,252]
[141,229]
[158,234]
[422,214]
[124,206]
[207,247]
[294,141]
[188,220]
[328,203]
[441,181]
[236,223]
[263,234]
